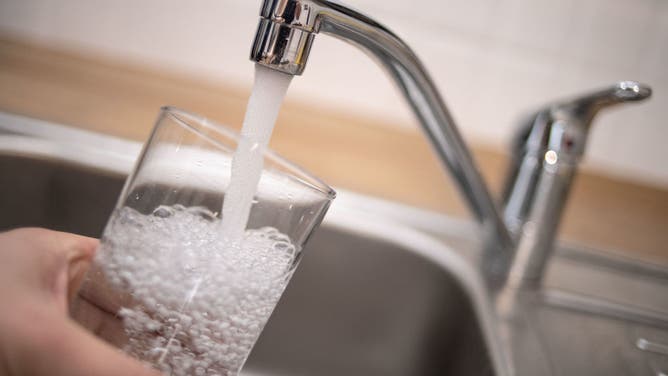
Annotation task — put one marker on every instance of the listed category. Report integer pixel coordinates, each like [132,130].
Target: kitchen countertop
[346,151]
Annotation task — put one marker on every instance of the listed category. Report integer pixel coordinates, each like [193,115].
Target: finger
[75,252]
[102,323]
[100,358]
[80,258]
[66,349]
[73,246]
[49,262]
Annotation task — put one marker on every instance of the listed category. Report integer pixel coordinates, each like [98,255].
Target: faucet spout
[283,42]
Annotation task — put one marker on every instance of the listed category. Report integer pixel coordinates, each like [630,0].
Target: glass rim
[182,117]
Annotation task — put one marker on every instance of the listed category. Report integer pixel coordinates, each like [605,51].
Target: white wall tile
[493,59]
[544,25]
[654,57]
[613,32]
[468,17]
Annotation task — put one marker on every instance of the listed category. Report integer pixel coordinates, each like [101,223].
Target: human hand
[40,273]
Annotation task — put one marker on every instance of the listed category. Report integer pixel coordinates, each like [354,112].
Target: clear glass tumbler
[167,285]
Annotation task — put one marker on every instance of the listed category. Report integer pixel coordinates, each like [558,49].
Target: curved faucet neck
[283,42]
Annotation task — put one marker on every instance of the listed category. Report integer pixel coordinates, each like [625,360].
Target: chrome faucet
[547,151]
[283,41]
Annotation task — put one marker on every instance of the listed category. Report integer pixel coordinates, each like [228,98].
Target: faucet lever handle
[568,122]
[548,150]
[583,109]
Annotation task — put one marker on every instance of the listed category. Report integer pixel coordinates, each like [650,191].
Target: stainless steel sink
[383,289]
[363,306]
[358,304]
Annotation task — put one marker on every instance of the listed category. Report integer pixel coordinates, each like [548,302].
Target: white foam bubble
[198,303]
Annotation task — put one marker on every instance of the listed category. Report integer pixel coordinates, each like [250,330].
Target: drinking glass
[167,285]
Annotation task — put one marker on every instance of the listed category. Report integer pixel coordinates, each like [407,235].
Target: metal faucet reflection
[547,151]
[285,34]
[283,41]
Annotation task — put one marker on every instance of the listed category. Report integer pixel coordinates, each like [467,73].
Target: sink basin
[363,306]
[382,289]
[360,303]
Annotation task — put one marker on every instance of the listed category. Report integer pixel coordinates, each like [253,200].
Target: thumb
[80,252]
[46,264]
[71,258]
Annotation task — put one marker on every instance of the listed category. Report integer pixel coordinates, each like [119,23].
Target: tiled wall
[493,59]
